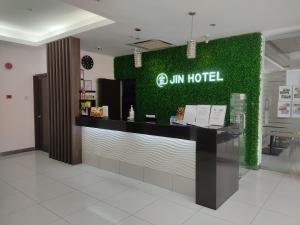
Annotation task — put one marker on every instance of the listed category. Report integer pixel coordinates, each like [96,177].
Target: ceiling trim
[72,30]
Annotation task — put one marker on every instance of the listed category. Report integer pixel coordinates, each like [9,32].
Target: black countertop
[185,132]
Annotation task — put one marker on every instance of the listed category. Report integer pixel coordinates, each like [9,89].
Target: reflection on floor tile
[36,190]
[234,212]
[204,219]
[35,215]
[100,214]
[266,217]
[69,203]
[131,200]
[133,221]
[165,212]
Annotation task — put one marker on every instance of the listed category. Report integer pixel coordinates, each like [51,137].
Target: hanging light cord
[192,25]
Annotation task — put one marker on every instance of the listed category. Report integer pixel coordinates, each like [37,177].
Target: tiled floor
[36,190]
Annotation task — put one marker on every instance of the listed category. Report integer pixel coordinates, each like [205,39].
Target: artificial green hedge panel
[237,58]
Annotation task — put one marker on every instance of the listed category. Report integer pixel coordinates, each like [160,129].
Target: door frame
[36,92]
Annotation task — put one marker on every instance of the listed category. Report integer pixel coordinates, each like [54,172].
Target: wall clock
[87,62]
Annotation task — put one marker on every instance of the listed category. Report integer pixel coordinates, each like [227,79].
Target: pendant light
[137,58]
[191,44]
[137,52]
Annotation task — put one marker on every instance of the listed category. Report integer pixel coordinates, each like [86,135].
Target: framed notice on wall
[284,109]
[285,93]
[296,110]
[296,94]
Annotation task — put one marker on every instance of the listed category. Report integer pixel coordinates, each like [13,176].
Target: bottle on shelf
[131,114]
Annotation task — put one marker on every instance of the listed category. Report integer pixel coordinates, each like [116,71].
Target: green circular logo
[162,80]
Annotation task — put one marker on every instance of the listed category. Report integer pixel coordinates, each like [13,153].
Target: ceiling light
[137,35]
[212,25]
[137,52]
[137,58]
[191,44]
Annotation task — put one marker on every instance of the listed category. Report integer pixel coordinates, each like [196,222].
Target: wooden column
[63,64]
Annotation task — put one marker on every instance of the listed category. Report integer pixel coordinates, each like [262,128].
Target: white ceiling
[159,19]
[284,52]
[168,20]
[35,22]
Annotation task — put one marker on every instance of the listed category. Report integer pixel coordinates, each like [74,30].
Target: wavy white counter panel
[169,155]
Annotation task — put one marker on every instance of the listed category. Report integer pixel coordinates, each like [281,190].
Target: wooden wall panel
[63,62]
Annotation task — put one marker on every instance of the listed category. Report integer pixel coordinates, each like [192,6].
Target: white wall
[17,114]
[103,67]
[293,77]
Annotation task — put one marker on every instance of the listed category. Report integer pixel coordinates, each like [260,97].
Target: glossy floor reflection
[36,190]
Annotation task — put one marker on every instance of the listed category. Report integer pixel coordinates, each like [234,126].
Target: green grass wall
[237,58]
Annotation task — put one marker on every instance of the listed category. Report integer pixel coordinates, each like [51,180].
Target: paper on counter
[203,114]
[217,115]
[190,114]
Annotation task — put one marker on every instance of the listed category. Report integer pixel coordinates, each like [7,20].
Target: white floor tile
[283,204]
[109,175]
[96,171]
[46,191]
[62,172]
[14,203]
[133,221]
[14,171]
[165,212]
[35,215]
[69,203]
[100,214]
[131,200]
[60,222]
[264,198]
[30,159]
[183,200]
[258,185]
[152,189]
[6,189]
[104,189]
[30,182]
[83,180]
[264,174]
[252,197]
[127,181]
[266,217]
[235,212]
[289,187]
[204,219]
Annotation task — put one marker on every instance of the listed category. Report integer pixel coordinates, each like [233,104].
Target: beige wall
[103,67]
[17,114]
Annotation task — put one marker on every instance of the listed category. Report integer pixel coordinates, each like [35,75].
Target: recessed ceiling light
[212,25]
[29,9]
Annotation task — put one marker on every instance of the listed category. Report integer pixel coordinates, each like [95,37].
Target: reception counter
[200,161]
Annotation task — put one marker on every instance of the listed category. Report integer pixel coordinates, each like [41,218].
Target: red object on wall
[8,66]
[8,97]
